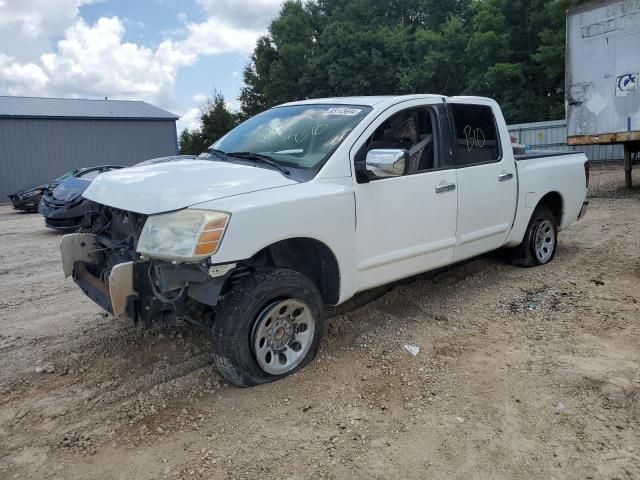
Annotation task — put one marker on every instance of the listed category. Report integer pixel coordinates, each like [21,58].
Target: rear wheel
[268,327]
[540,240]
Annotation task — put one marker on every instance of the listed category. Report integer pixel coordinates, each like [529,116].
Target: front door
[487,181]
[406,224]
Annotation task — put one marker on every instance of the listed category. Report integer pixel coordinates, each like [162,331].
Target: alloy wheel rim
[545,241]
[283,334]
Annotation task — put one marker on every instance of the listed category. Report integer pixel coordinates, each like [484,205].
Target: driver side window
[412,130]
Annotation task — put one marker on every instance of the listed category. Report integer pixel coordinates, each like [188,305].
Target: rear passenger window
[476,135]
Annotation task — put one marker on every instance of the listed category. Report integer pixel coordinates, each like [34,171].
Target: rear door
[487,182]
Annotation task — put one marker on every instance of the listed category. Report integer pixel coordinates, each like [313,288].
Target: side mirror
[387,162]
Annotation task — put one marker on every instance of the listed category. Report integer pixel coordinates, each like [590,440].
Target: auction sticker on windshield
[343,111]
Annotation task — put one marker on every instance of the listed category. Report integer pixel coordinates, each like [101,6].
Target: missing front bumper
[143,290]
[78,250]
[92,287]
[114,298]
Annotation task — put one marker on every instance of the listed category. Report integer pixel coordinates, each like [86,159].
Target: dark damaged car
[28,198]
[64,207]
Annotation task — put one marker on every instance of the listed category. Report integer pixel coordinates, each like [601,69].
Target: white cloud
[21,78]
[93,60]
[47,49]
[183,17]
[231,25]
[233,105]
[27,26]
[212,37]
[200,98]
[38,17]
[189,119]
[249,14]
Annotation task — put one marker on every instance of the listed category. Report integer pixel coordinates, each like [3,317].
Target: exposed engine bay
[159,290]
[116,235]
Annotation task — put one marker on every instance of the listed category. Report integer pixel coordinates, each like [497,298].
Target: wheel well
[553,201]
[310,257]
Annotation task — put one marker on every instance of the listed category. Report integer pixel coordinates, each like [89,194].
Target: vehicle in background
[27,199]
[306,205]
[64,206]
[603,77]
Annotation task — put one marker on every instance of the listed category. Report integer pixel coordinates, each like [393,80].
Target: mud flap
[583,210]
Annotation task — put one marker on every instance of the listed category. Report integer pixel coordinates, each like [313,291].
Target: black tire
[525,255]
[239,312]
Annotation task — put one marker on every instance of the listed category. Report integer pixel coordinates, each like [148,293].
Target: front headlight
[186,235]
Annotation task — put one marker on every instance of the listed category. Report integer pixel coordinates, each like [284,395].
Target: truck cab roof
[369,101]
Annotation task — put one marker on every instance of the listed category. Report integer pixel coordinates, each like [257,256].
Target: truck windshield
[300,136]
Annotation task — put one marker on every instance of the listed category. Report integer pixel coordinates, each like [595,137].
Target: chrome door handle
[445,187]
[503,177]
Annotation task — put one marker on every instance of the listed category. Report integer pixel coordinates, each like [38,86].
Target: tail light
[586,173]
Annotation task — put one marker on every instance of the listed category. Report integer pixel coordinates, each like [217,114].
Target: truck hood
[167,186]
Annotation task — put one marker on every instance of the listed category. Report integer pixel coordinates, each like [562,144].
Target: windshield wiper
[217,153]
[259,157]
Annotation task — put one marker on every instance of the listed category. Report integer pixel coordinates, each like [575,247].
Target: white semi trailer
[603,76]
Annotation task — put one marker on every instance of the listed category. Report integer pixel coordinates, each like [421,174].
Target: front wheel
[268,327]
[540,240]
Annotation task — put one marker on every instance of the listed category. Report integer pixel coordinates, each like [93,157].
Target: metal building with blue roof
[41,138]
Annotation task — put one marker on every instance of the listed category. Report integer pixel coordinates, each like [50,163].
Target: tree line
[509,50]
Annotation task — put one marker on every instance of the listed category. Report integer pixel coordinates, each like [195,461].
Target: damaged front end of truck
[105,260]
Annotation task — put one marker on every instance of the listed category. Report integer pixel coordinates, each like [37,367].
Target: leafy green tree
[278,62]
[254,95]
[215,119]
[550,54]
[511,50]
[191,142]
[438,65]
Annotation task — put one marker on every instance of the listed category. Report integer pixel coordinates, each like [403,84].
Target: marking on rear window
[474,137]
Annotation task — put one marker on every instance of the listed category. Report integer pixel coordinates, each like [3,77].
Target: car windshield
[65,175]
[296,136]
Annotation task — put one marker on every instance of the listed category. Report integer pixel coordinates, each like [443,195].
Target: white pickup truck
[307,204]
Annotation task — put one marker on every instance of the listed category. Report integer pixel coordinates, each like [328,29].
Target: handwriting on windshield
[319,128]
[474,137]
[301,135]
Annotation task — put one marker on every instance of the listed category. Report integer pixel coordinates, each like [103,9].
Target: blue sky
[172,53]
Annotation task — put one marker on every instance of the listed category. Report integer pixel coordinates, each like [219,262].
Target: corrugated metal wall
[552,135]
[38,150]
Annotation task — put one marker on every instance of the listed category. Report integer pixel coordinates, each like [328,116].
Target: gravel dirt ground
[521,373]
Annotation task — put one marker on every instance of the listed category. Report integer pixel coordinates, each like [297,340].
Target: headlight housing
[187,235]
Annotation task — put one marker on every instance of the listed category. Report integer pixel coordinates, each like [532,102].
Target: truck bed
[541,172]
[533,154]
